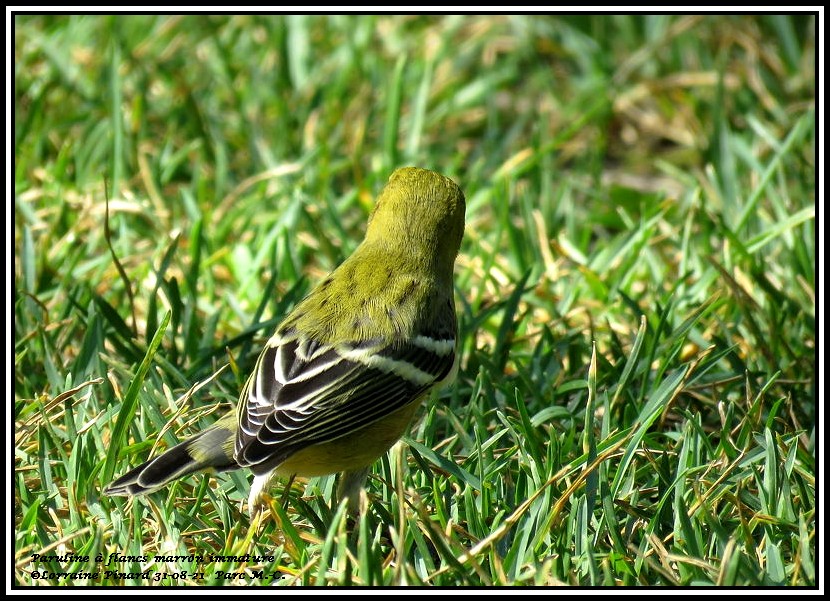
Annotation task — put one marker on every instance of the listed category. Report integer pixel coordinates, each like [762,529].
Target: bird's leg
[351,487]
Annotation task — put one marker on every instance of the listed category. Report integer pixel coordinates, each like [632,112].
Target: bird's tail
[211,449]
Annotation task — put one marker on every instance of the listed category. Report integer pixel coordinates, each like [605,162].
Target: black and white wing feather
[303,392]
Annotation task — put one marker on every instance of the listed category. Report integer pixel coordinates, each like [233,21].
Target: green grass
[636,403]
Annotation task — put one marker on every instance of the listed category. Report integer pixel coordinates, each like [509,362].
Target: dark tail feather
[211,449]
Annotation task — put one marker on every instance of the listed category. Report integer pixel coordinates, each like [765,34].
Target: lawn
[636,402]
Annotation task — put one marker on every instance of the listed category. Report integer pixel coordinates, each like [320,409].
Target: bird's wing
[304,392]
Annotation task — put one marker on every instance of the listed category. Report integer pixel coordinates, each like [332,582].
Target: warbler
[341,378]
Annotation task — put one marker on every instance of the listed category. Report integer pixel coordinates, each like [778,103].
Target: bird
[345,372]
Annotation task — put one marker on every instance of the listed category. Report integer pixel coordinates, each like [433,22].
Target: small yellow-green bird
[339,382]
